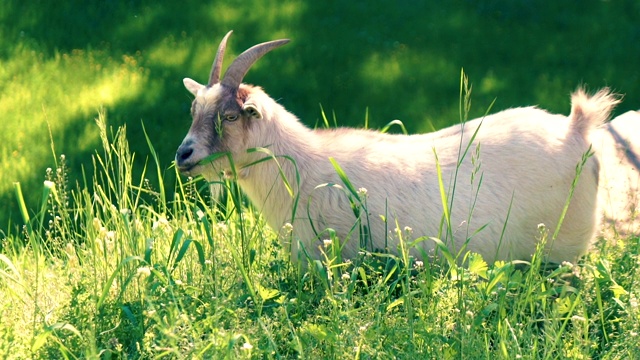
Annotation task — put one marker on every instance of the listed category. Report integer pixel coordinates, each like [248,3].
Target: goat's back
[515,174]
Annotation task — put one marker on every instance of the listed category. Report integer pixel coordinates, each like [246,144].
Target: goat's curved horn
[216,68]
[239,67]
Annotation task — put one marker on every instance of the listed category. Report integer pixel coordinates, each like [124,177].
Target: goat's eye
[231,117]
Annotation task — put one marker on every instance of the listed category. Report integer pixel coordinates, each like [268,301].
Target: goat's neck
[292,144]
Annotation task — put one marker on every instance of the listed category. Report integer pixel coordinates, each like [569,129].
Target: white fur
[618,149]
[527,162]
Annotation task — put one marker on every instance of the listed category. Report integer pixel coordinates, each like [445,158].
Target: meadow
[106,253]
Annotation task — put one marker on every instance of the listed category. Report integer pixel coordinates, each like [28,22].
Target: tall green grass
[118,266]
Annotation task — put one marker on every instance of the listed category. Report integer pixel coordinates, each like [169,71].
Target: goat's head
[222,112]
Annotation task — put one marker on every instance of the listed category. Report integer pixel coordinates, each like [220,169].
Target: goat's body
[617,145]
[498,217]
[517,174]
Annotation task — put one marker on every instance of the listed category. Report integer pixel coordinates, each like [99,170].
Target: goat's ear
[192,85]
[252,111]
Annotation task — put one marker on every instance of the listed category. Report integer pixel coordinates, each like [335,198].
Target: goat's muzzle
[183,156]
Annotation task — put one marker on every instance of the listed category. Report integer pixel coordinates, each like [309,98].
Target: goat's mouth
[195,168]
[187,169]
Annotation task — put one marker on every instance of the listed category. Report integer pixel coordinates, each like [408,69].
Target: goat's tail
[588,112]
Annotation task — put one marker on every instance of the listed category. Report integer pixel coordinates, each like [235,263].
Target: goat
[520,176]
[618,150]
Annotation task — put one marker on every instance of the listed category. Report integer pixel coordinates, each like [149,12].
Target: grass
[118,267]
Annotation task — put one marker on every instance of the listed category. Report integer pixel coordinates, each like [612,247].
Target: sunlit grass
[51,89]
[51,100]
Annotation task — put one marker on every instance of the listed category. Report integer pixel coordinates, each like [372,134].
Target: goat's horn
[214,77]
[239,67]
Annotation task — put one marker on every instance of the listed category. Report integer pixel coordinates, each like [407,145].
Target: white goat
[526,161]
[617,145]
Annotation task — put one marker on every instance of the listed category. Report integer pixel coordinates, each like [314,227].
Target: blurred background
[61,62]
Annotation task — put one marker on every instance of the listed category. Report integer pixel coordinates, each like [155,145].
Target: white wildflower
[161,223]
[247,346]
[362,192]
[144,271]
[633,301]
[326,243]
[419,264]
[287,229]
[97,225]
[222,227]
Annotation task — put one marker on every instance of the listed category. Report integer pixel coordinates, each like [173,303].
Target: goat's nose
[184,153]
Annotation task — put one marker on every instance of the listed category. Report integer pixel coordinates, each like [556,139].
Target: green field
[120,259]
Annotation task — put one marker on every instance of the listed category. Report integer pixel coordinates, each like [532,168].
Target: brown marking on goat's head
[222,116]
